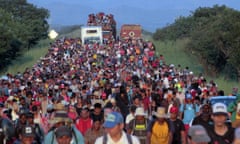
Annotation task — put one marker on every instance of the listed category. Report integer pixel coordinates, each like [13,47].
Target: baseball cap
[198,134]
[27,131]
[63,131]
[173,109]
[113,119]
[188,96]
[219,108]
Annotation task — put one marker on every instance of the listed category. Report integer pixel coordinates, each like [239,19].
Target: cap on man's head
[198,134]
[113,119]
[219,108]
[63,131]
[188,96]
[28,131]
[174,109]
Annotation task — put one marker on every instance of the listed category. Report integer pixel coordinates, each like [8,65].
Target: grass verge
[174,53]
[29,58]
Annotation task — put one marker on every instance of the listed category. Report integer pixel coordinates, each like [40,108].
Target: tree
[21,25]
[214,35]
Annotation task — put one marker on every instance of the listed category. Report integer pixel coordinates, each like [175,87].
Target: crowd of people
[119,92]
[101,19]
[107,22]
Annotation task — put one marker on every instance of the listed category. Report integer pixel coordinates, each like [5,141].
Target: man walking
[114,125]
[179,136]
[138,126]
[220,133]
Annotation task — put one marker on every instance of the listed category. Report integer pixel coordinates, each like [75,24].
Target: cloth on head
[140,112]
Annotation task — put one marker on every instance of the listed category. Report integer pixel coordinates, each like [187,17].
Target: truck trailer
[131,31]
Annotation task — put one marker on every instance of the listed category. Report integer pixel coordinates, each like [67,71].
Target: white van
[91,34]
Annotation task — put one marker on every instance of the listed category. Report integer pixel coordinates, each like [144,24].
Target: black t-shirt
[227,138]
[97,117]
[199,121]
[178,127]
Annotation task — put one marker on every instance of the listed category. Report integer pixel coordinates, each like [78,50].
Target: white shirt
[129,118]
[123,140]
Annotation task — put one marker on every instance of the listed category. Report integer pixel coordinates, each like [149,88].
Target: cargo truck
[91,34]
[131,31]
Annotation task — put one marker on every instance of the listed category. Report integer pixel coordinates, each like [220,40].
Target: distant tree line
[214,35]
[22,25]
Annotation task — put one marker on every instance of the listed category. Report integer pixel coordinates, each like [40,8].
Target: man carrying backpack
[188,110]
[114,125]
[61,119]
[161,129]
[138,126]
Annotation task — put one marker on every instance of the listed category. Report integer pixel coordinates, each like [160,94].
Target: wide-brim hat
[60,116]
[59,107]
[160,113]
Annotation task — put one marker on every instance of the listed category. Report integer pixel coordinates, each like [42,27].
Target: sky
[151,14]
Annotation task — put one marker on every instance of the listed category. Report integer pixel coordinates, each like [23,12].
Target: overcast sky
[151,14]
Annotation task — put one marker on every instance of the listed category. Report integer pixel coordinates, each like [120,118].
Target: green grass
[174,53]
[29,58]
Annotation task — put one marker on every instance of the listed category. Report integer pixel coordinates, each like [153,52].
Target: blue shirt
[189,112]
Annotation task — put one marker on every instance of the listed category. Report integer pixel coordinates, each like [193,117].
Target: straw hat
[60,116]
[160,113]
[59,107]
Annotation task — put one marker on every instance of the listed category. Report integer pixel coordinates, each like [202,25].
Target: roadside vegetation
[213,35]
[175,53]
[22,25]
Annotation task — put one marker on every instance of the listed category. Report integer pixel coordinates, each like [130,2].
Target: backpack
[129,138]
[143,129]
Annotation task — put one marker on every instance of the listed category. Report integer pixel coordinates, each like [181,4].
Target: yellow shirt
[160,133]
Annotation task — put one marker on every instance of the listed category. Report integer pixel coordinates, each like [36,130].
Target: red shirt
[83,125]
[146,102]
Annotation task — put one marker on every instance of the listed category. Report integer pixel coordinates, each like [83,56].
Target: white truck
[91,34]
